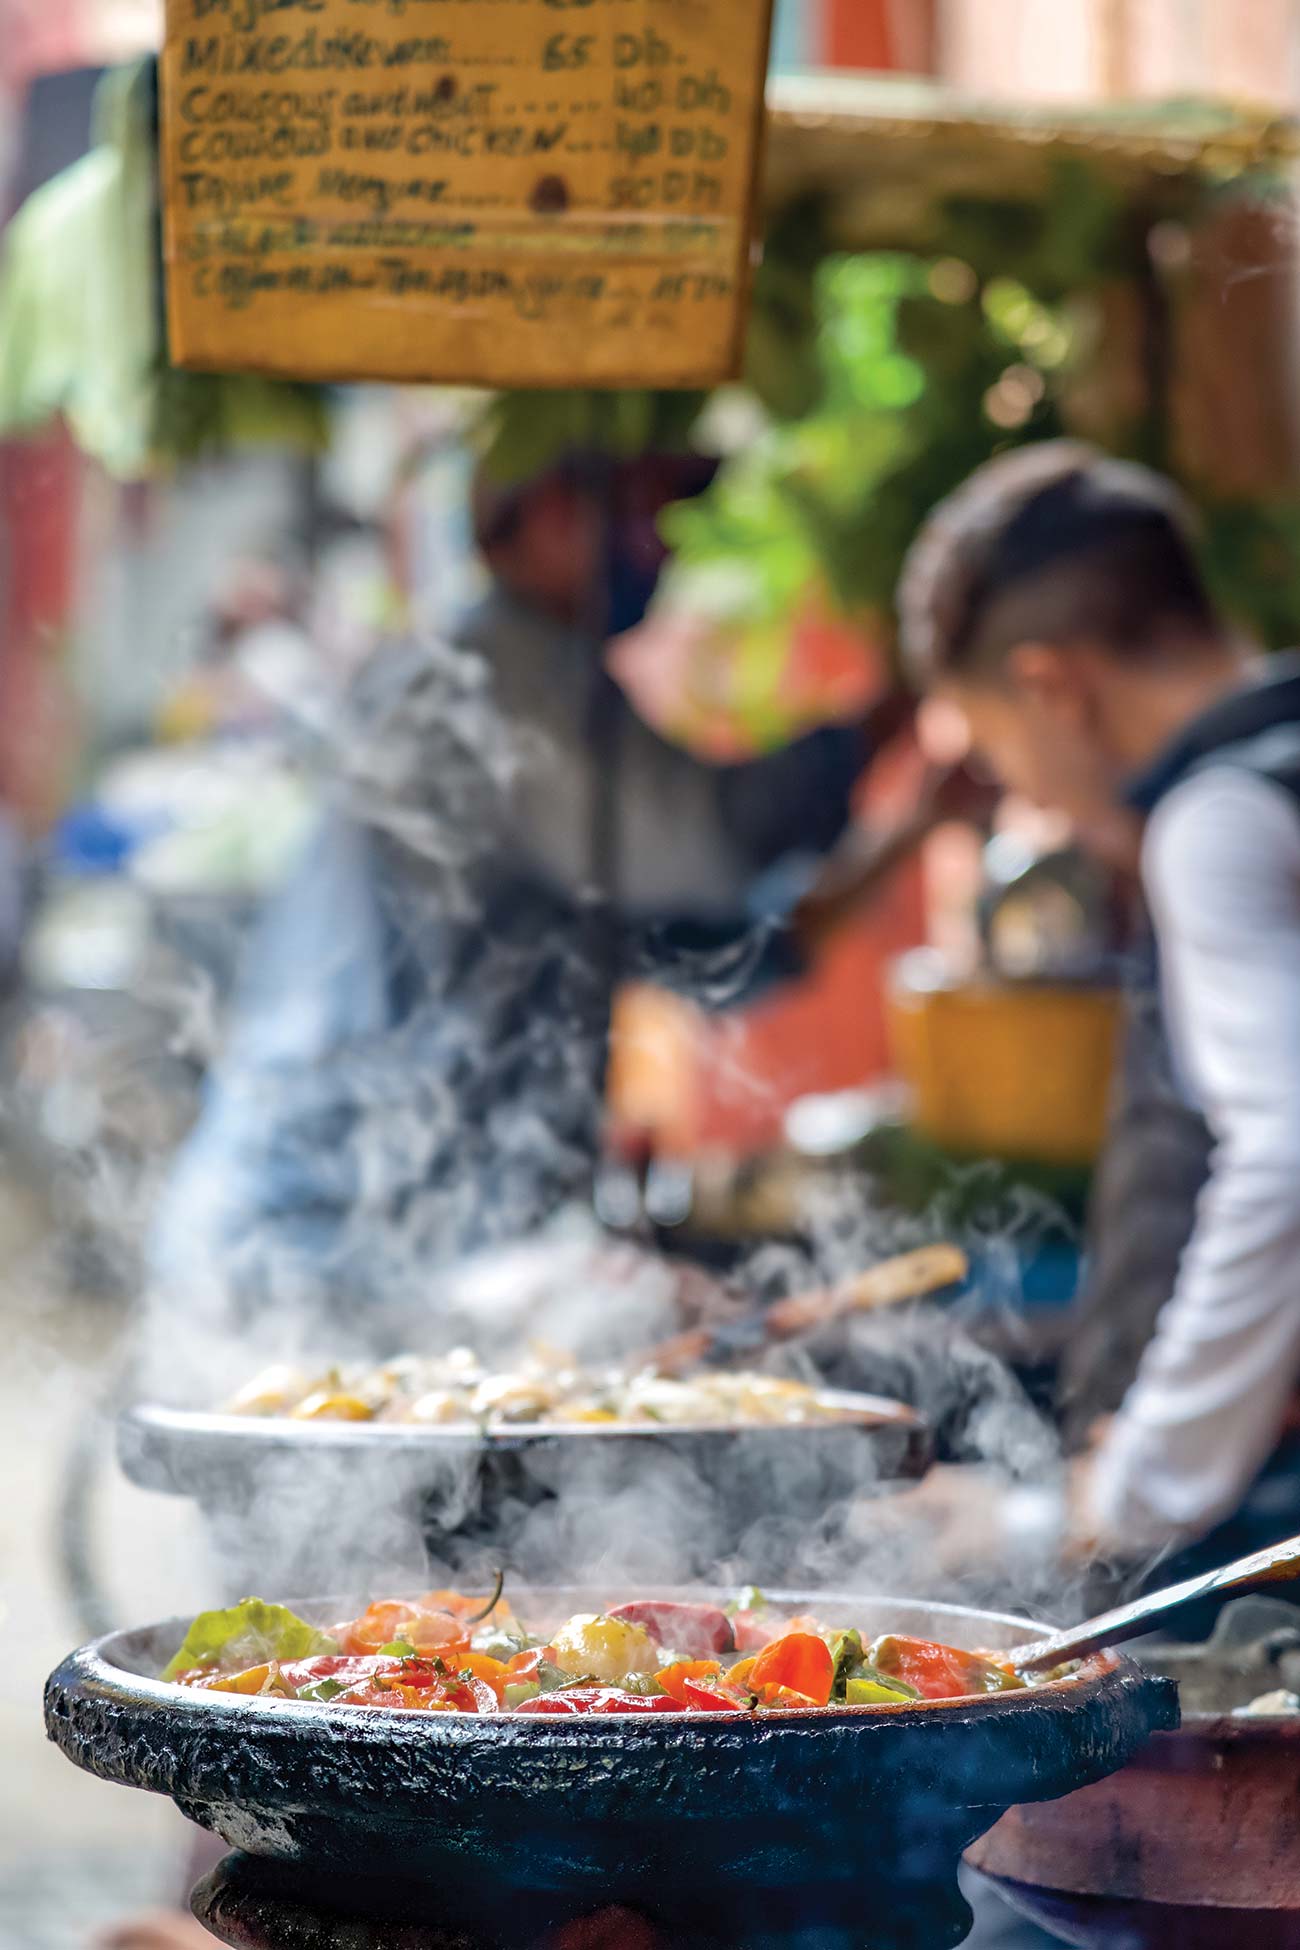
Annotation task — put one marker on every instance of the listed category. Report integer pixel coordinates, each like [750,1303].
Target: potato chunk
[605,1649]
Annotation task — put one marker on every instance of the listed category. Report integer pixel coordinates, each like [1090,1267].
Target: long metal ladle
[1271,1566]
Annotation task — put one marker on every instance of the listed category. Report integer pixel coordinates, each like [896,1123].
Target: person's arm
[1222,870]
[262,1182]
[865,859]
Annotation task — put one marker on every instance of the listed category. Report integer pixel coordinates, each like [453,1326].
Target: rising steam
[436,1131]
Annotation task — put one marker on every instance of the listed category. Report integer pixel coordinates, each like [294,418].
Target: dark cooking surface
[754,1817]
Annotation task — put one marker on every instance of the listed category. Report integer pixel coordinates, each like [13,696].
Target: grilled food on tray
[449,1653]
[454,1388]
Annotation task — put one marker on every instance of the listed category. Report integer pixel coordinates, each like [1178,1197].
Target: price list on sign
[485,192]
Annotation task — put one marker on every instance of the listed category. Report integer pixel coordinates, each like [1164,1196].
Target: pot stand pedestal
[249,1903]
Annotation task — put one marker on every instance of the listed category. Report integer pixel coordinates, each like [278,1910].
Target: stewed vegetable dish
[449,1652]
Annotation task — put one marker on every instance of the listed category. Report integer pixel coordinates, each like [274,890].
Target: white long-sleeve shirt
[1221,867]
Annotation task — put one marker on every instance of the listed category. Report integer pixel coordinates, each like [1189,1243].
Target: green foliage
[928,367]
[1075,235]
[1251,553]
[782,366]
[80,332]
[839,495]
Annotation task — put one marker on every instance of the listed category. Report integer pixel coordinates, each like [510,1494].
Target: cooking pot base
[250,1903]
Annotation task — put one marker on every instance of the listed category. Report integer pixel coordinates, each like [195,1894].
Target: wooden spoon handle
[905,1277]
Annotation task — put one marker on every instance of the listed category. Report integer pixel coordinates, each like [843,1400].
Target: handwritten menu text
[492,192]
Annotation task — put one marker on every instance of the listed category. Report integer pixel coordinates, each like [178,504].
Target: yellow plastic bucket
[1002,1069]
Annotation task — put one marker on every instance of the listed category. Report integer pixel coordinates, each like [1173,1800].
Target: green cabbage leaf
[248,1634]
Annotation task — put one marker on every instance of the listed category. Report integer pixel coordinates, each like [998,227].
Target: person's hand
[1082,1542]
[951,1521]
[1085,1541]
[955,792]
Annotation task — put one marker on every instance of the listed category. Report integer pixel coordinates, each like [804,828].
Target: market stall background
[109,589]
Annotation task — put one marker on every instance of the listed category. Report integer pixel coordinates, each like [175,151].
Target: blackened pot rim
[92,1668]
[1099,1667]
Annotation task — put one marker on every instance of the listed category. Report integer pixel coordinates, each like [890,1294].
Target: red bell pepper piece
[712,1699]
[673,1678]
[800,1662]
[486,1670]
[938,1671]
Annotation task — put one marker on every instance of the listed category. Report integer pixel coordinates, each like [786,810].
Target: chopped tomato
[415,1671]
[753,1630]
[421,1699]
[344,1671]
[695,1630]
[426,1628]
[524,1665]
[598,1699]
[484,1696]
[674,1679]
[799,1661]
[422,1683]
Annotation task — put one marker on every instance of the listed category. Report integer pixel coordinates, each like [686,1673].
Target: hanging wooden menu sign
[486,192]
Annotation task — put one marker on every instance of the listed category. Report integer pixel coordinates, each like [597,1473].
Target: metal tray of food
[183,1450]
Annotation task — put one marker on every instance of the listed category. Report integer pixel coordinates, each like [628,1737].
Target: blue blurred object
[88,840]
[1051,1274]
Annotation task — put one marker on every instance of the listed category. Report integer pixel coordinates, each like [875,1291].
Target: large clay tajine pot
[719,1827]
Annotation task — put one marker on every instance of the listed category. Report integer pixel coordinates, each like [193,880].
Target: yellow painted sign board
[483,192]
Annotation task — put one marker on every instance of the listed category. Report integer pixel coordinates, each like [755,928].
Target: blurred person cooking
[1056,600]
[415,1069]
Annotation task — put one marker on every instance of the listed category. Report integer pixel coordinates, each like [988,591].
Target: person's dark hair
[1054,543]
[497,508]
